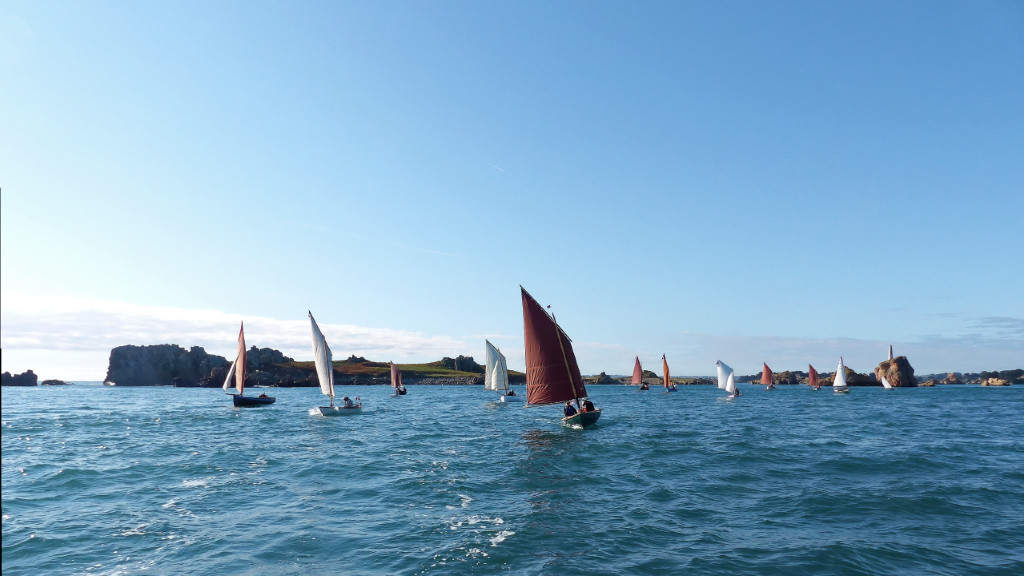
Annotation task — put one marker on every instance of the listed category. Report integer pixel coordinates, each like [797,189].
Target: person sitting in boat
[348,402]
[264,395]
[588,406]
[510,392]
[569,410]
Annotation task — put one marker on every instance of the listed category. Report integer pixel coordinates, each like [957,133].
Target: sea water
[445,480]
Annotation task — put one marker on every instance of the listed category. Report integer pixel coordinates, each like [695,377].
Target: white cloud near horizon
[70,338]
[49,328]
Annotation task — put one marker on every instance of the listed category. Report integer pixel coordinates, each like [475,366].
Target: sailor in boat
[735,393]
[569,410]
[348,402]
[510,392]
[588,406]
[264,395]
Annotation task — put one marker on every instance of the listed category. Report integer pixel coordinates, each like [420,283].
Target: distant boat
[638,376]
[325,374]
[237,371]
[666,380]
[396,380]
[727,379]
[839,382]
[496,373]
[812,378]
[766,377]
[885,383]
[552,374]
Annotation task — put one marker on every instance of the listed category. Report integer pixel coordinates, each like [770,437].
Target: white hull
[340,411]
[510,398]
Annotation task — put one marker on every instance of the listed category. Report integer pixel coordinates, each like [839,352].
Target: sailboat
[325,374]
[839,382]
[727,379]
[766,377]
[885,382]
[496,373]
[812,378]
[638,376]
[237,371]
[396,380]
[666,379]
[552,374]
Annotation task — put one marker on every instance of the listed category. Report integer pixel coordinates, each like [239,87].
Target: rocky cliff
[897,371]
[27,378]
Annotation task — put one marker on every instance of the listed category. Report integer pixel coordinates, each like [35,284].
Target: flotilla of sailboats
[552,374]
[496,373]
[237,372]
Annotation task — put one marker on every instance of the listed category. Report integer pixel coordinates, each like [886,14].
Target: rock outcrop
[27,378]
[162,364]
[995,382]
[897,371]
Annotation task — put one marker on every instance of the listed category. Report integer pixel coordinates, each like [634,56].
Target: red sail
[396,376]
[766,375]
[812,376]
[240,360]
[638,373]
[664,366]
[552,374]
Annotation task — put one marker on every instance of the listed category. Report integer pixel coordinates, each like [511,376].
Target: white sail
[730,383]
[496,375]
[840,379]
[886,384]
[724,371]
[322,357]
[231,374]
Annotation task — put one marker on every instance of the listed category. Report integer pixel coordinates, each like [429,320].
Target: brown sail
[552,374]
[638,373]
[667,381]
[766,375]
[812,376]
[240,360]
[396,376]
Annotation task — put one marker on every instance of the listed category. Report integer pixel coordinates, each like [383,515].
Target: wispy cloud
[59,325]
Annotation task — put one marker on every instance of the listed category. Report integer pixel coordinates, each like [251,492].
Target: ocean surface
[102,480]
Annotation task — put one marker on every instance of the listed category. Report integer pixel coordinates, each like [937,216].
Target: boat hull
[510,398]
[340,410]
[250,401]
[841,390]
[582,419]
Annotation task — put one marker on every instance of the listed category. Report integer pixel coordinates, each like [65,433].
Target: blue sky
[778,182]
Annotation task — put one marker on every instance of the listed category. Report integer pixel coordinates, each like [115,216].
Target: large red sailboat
[552,374]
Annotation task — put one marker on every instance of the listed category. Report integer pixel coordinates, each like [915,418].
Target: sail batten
[552,374]
[324,362]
